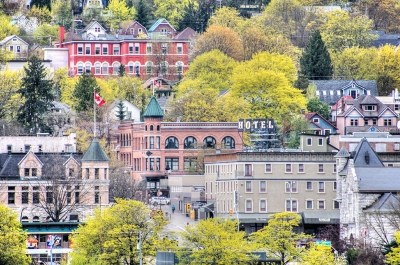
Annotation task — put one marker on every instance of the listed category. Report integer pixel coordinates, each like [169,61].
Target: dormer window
[30,172]
[369,107]
[71,172]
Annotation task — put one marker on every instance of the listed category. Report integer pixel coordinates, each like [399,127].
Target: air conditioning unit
[396,147]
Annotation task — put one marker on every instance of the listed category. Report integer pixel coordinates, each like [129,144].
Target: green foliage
[293,127]
[118,12]
[278,239]
[6,28]
[227,17]
[316,105]
[111,235]
[195,15]
[142,13]
[393,256]
[36,93]
[301,83]
[120,112]
[268,89]
[61,12]
[42,14]
[388,69]
[170,10]
[83,93]
[340,30]
[46,33]
[10,100]
[12,238]
[317,256]
[121,70]
[316,63]
[215,241]
[41,3]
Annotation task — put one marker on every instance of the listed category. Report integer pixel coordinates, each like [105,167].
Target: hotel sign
[249,125]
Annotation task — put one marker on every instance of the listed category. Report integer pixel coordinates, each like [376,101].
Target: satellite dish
[398,125]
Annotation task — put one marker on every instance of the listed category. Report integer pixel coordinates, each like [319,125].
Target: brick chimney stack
[62,29]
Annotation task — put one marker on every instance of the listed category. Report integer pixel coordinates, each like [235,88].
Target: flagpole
[153,86]
[94,113]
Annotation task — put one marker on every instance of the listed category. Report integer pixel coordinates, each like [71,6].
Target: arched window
[36,219]
[151,128]
[131,67]
[80,68]
[190,143]
[88,67]
[137,68]
[164,67]
[228,143]
[149,68]
[158,128]
[116,68]
[24,219]
[145,128]
[179,67]
[105,69]
[171,143]
[97,68]
[209,142]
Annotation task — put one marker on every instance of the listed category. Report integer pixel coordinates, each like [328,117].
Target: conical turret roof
[95,153]
[153,109]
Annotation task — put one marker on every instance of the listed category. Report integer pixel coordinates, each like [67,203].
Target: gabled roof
[365,156]
[341,101]
[158,23]
[29,153]
[378,179]
[342,153]
[369,100]
[185,34]
[95,153]
[335,85]
[310,115]
[153,109]
[383,39]
[71,36]
[91,24]
[7,39]
[387,202]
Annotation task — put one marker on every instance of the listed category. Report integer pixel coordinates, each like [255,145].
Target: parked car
[159,200]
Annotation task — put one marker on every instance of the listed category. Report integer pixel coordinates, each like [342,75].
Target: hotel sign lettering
[250,125]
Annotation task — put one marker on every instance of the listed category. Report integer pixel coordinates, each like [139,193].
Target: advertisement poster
[32,242]
[54,241]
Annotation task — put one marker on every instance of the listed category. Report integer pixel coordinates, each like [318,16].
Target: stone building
[367,191]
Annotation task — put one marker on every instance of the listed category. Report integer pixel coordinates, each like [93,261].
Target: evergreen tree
[121,70]
[41,3]
[84,92]
[142,13]
[195,17]
[121,112]
[316,62]
[36,90]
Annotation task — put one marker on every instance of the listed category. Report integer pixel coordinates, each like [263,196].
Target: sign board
[324,244]
[249,125]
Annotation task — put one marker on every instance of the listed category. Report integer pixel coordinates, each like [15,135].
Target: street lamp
[289,185]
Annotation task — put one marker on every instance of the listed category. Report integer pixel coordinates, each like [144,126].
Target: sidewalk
[178,220]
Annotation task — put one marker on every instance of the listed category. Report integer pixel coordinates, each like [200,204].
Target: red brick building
[145,54]
[154,149]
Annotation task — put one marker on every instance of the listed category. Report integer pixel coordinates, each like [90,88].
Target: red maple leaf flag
[156,83]
[99,101]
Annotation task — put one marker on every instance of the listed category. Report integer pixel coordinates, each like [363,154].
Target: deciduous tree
[36,93]
[61,12]
[112,235]
[340,30]
[220,38]
[118,11]
[10,100]
[6,28]
[216,241]
[316,105]
[315,62]
[12,238]
[388,69]
[279,238]
[170,10]
[45,34]
[316,256]
[227,17]
[384,14]
[42,14]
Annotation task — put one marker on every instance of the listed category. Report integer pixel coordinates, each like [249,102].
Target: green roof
[153,110]
[95,153]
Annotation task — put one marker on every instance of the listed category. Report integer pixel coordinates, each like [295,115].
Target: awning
[247,218]
[321,217]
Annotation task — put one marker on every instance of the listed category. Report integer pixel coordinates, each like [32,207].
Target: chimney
[61,36]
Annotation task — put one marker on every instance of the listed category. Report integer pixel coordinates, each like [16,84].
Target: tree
[12,238]
[123,186]
[111,235]
[227,17]
[340,31]
[384,14]
[293,127]
[142,13]
[388,69]
[42,14]
[41,3]
[220,38]
[10,100]
[118,11]
[46,33]
[315,62]
[216,241]
[120,112]
[278,239]
[36,93]
[121,70]
[83,93]
[6,27]
[61,12]
[268,90]
[356,64]
[316,256]
[196,14]
[61,193]
[170,10]
[316,105]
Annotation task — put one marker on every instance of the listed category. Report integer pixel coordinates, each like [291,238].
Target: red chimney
[61,36]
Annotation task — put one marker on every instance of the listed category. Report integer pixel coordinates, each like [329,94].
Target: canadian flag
[156,83]
[99,101]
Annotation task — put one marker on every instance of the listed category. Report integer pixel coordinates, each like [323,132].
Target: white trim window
[249,206]
[309,204]
[263,205]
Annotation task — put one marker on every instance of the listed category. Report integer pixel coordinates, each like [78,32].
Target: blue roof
[158,22]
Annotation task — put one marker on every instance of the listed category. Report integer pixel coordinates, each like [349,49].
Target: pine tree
[142,13]
[121,70]
[36,89]
[120,112]
[83,93]
[316,62]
